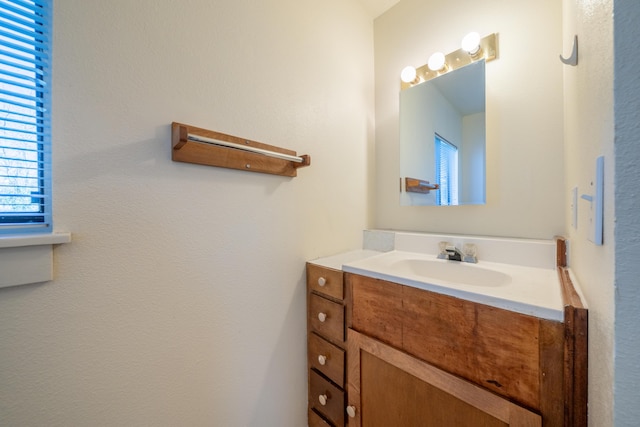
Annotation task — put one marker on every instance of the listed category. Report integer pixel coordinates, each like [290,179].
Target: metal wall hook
[573,59]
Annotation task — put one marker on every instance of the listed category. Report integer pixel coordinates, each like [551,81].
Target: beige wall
[181,299]
[589,133]
[525,192]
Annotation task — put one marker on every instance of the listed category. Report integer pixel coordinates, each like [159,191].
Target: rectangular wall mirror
[442,139]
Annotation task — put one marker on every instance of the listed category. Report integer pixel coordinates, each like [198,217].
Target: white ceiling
[378,7]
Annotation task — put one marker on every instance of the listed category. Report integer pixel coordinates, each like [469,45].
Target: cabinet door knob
[322,281]
[323,399]
[322,316]
[322,360]
[351,411]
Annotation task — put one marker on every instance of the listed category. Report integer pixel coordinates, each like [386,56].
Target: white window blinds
[446,171]
[25,161]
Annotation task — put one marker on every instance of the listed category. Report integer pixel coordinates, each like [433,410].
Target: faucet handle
[469,251]
[443,250]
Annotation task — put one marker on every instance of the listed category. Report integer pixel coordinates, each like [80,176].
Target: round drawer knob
[322,360]
[323,399]
[351,411]
[322,281]
[322,317]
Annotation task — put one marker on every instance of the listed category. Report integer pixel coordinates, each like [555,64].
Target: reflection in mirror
[442,139]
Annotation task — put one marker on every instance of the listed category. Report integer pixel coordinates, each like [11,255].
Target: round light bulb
[408,74]
[436,61]
[471,43]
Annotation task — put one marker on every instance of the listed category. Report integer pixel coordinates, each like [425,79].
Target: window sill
[28,259]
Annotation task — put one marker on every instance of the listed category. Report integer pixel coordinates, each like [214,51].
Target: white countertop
[337,261]
[513,274]
[528,290]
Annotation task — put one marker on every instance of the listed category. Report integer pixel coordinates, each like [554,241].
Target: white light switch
[574,207]
[596,199]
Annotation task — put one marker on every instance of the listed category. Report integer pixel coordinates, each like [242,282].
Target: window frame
[446,152]
[13,16]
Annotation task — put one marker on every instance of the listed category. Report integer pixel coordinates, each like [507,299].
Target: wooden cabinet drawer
[316,420]
[327,318]
[326,358]
[326,398]
[325,280]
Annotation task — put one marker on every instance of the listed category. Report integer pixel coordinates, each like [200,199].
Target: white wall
[589,133]
[473,162]
[181,299]
[525,194]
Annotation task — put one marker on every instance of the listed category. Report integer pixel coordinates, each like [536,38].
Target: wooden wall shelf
[413,185]
[191,144]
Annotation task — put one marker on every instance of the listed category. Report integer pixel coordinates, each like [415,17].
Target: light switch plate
[597,204]
[574,207]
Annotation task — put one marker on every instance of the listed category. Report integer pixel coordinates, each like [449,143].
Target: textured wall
[181,299]
[627,224]
[525,195]
[589,133]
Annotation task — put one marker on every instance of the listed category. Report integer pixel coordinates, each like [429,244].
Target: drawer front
[326,318]
[326,358]
[316,420]
[325,280]
[326,399]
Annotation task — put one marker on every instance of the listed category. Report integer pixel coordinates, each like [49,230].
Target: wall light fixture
[474,48]
[471,43]
[437,62]
[408,75]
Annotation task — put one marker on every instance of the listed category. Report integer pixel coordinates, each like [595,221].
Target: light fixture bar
[457,59]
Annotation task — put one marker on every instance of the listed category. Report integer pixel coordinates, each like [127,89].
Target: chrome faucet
[451,253]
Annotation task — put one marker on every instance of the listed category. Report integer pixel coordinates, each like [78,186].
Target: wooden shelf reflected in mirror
[413,185]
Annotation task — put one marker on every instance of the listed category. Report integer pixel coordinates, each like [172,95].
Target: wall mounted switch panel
[597,203]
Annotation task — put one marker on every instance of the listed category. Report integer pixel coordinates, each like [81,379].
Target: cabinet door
[388,387]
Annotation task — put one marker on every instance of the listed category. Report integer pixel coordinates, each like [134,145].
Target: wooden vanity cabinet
[418,358]
[326,345]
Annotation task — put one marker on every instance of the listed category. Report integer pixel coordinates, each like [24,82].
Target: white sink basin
[460,273]
[528,290]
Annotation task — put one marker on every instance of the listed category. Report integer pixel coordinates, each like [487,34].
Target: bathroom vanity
[393,353]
